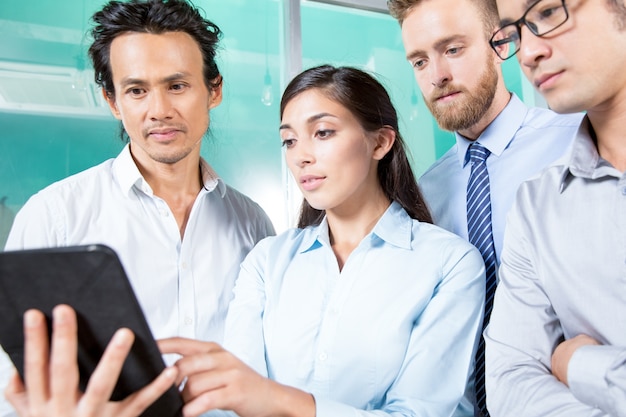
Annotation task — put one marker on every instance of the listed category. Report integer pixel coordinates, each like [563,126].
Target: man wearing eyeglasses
[460,77]
[556,343]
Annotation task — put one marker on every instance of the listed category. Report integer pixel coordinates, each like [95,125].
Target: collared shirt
[184,286]
[393,331]
[522,141]
[563,274]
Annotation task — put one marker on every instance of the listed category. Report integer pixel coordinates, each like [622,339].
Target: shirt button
[323,356]
[183,265]
[624,191]
[188,320]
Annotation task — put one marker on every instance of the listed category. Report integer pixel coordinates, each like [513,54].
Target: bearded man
[500,142]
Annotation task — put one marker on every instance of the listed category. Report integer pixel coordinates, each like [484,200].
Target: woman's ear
[385,138]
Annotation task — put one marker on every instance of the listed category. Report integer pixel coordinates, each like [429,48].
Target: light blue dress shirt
[522,141]
[563,274]
[183,285]
[391,334]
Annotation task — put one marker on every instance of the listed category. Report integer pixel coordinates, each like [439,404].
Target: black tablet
[92,280]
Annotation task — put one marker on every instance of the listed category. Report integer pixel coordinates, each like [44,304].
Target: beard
[467,110]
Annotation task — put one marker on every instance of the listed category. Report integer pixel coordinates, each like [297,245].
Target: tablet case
[92,280]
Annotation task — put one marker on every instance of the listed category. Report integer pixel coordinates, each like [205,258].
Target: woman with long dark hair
[366,308]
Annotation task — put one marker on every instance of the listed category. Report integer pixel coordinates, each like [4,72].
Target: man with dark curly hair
[178,229]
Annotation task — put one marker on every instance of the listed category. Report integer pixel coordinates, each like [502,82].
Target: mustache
[444,91]
[164,126]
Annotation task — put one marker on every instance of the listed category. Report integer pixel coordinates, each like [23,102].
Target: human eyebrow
[414,54]
[175,77]
[310,120]
[165,80]
[318,116]
[448,40]
[438,45]
[131,81]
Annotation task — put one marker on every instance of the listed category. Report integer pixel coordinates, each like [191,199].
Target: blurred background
[54,122]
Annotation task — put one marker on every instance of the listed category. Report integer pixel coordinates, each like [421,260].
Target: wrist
[290,402]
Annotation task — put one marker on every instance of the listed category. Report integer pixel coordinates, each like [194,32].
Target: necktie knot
[478,153]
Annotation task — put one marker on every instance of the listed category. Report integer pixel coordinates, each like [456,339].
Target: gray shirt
[563,273]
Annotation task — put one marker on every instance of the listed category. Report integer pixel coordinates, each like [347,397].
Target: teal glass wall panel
[244,146]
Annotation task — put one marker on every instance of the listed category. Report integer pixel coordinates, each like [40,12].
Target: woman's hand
[51,377]
[216,379]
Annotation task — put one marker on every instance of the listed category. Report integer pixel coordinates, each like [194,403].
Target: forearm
[526,388]
[290,402]
[520,342]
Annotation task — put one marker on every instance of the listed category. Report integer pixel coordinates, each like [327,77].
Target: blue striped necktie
[480,235]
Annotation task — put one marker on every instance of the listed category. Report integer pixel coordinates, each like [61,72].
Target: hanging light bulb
[414,108]
[79,78]
[267,95]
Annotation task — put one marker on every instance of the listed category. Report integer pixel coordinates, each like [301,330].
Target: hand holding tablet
[52,380]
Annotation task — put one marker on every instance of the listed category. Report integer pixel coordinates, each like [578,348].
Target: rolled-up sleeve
[597,377]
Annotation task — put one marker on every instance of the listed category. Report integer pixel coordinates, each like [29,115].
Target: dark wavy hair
[151,16]
[369,102]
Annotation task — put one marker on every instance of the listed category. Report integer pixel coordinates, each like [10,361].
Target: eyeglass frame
[495,43]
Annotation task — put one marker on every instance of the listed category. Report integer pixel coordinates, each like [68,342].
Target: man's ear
[503,49]
[110,99]
[216,92]
[385,138]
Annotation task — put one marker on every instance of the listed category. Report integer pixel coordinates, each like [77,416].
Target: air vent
[49,90]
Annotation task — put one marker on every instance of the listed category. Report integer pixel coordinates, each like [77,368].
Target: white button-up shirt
[184,286]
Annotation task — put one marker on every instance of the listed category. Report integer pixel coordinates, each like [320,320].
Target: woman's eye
[287,143]
[324,133]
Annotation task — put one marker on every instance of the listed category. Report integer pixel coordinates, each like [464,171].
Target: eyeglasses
[541,18]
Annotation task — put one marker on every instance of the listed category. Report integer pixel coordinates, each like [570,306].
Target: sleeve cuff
[329,408]
[586,373]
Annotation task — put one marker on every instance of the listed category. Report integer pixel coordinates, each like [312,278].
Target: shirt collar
[583,159]
[127,174]
[395,227]
[500,132]
[210,178]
